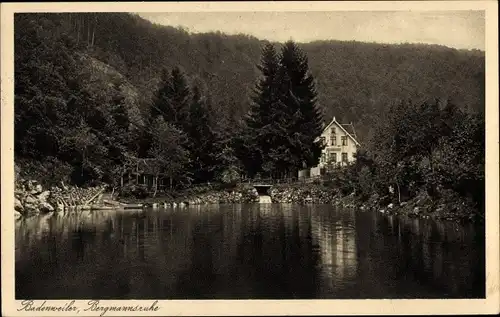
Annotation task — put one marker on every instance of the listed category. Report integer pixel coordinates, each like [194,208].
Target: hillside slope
[355,81]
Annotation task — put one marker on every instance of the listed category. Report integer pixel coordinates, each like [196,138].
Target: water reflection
[335,235]
[246,251]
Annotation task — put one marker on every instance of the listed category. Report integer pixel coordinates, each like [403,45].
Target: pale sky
[458,29]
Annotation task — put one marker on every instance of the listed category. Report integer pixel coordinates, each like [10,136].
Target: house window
[344,140]
[353,155]
[323,140]
[334,157]
[323,157]
[332,131]
[333,140]
[344,157]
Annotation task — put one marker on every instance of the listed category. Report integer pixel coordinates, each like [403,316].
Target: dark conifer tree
[298,93]
[180,99]
[201,138]
[266,92]
[172,99]
[259,122]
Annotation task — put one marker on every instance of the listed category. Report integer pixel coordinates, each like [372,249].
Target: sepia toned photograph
[247,155]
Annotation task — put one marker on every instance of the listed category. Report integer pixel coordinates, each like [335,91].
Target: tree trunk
[155,180]
[77,31]
[88,33]
[399,193]
[137,173]
[93,30]
[83,161]
[171,182]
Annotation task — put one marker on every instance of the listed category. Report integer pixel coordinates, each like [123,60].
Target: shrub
[230,176]
[133,190]
[49,172]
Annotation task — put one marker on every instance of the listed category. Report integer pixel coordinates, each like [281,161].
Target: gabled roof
[349,128]
[345,128]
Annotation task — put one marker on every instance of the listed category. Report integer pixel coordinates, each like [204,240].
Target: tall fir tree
[298,93]
[172,99]
[266,90]
[284,121]
[201,138]
[260,120]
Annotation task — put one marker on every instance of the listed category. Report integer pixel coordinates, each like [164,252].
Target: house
[340,147]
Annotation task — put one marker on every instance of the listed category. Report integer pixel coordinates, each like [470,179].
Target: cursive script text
[96,306]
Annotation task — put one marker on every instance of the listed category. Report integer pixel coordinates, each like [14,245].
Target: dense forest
[93,91]
[355,80]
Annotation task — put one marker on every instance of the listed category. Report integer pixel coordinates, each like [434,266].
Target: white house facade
[340,147]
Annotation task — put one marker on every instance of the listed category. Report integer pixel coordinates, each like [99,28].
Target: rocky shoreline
[239,195]
[448,207]
[32,199]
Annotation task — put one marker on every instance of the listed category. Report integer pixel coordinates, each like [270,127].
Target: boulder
[43,196]
[33,187]
[17,215]
[31,209]
[18,207]
[59,207]
[30,200]
[45,207]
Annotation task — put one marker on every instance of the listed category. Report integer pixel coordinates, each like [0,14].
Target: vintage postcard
[249,158]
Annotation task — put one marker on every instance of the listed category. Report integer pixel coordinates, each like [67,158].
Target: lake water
[261,251]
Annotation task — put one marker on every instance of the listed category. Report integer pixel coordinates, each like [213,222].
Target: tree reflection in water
[246,251]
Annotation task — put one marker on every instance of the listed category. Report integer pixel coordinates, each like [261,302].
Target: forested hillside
[85,86]
[355,81]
